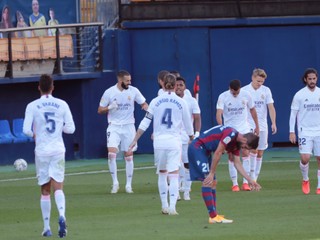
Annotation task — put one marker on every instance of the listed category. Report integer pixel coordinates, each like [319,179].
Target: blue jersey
[200,149]
[211,138]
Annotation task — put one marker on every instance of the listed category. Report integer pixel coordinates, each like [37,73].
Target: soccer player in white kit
[118,101]
[305,109]
[263,102]
[233,105]
[194,111]
[45,120]
[169,114]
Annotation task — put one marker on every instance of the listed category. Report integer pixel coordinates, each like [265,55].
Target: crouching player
[218,140]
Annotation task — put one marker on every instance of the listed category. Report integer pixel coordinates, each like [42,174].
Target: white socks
[129,170]
[163,189]
[246,167]
[258,167]
[233,173]
[318,179]
[187,181]
[45,205]
[253,159]
[173,190]
[60,202]
[305,171]
[113,167]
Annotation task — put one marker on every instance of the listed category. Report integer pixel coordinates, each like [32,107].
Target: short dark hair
[176,73]
[235,84]
[45,83]
[308,71]
[122,73]
[252,140]
[181,79]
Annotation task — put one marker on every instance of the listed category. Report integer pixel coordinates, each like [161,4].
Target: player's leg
[246,167]
[42,169]
[253,163]
[57,169]
[113,141]
[173,165]
[128,133]
[162,179]
[233,174]
[316,151]
[305,149]
[263,145]
[186,173]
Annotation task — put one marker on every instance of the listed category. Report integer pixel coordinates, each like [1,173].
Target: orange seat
[18,49]
[4,55]
[33,50]
[48,46]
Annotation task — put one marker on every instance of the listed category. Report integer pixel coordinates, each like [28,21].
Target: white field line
[74,174]
[120,170]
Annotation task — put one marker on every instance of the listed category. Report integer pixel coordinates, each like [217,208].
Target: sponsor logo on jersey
[227,140]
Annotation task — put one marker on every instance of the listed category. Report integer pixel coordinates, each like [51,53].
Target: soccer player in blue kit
[203,165]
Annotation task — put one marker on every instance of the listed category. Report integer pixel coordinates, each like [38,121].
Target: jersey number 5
[51,124]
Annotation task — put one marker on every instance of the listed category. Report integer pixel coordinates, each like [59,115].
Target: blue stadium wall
[217,50]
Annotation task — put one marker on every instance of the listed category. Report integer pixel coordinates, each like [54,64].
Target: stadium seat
[48,47]
[5,132]
[18,49]
[32,46]
[17,126]
[4,55]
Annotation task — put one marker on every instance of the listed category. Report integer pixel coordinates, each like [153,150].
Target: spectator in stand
[5,21]
[22,24]
[37,19]
[52,22]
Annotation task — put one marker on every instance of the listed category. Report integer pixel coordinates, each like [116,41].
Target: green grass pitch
[279,211]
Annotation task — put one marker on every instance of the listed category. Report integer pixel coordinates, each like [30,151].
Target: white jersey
[193,108]
[46,118]
[307,103]
[125,99]
[235,110]
[261,98]
[170,113]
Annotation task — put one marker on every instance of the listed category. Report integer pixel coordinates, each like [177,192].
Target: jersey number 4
[166,117]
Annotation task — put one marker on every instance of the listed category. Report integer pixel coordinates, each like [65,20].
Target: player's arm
[272,113]
[197,124]
[104,106]
[27,123]
[219,116]
[68,126]
[292,124]
[144,106]
[215,160]
[239,167]
[143,126]
[254,115]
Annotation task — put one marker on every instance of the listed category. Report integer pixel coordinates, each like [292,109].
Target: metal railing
[73,48]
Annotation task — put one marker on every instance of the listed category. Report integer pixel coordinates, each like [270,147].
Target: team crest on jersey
[227,140]
[262,96]
[198,162]
[243,102]
[129,98]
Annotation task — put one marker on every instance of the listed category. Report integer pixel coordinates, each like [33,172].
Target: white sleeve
[186,120]
[69,126]
[292,121]
[28,120]
[145,123]
[220,102]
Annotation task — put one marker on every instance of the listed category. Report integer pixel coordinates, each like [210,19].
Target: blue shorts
[199,162]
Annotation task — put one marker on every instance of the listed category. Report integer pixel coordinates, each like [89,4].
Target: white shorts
[48,167]
[263,139]
[169,160]
[120,136]
[185,153]
[307,144]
